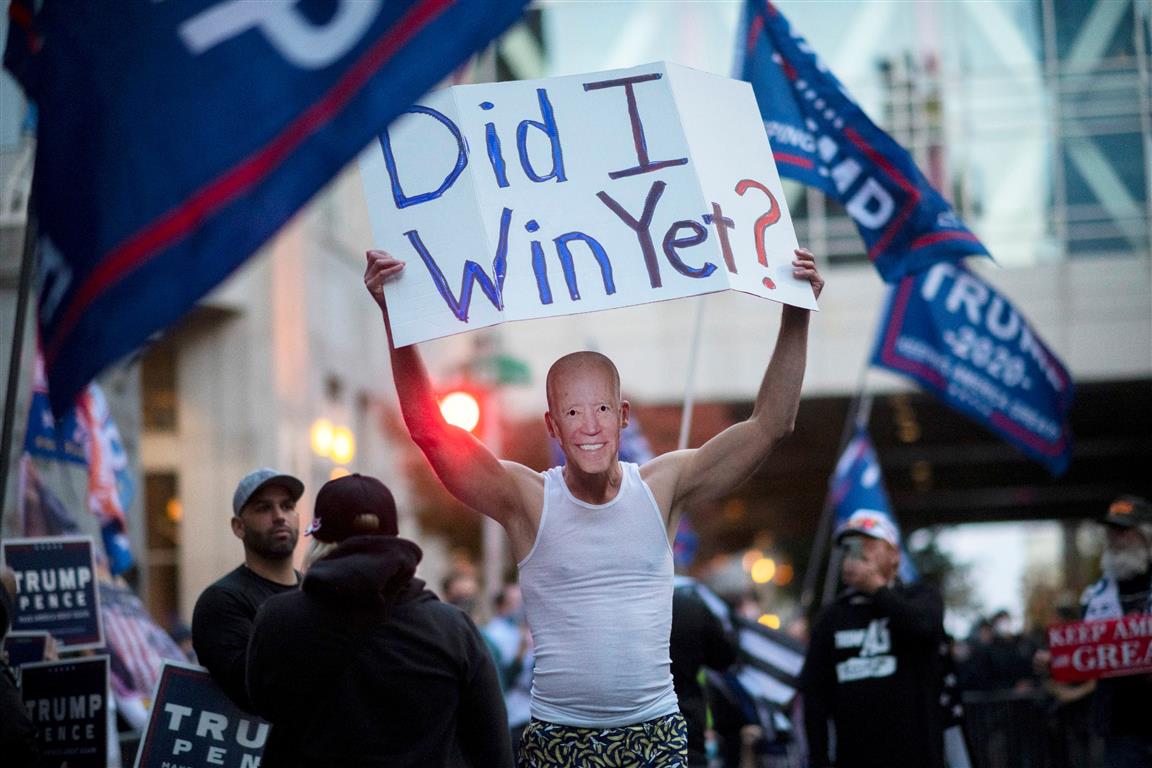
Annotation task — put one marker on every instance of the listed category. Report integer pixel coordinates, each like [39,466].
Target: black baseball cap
[1128,512]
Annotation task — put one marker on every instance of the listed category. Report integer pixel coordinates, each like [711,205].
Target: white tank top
[597,589]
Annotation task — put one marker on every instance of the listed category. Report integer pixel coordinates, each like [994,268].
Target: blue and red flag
[137,647]
[87,435]
[110,487]
[821,137]
[951,332]
[858,483]
[175,138]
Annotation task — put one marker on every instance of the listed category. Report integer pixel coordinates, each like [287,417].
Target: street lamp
[333,442]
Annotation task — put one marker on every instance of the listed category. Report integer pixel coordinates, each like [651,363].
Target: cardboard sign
[24,648]
[193,722]
[1085,650]
[574,194]
[68,701]
[964,342]
[56,590]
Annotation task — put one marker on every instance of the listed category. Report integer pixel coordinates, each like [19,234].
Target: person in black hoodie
[364,666]
[873,664]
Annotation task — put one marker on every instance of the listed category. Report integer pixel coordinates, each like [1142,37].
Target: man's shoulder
[921,589]
[285,608]
[443,614]
[227,585]
[240,588]
[828,616]
[1094,589]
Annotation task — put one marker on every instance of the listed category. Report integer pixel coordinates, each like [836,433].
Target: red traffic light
[460,408]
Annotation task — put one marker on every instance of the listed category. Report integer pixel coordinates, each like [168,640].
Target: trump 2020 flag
[858,483]
[952,333]
[174,138]
[49,438]
[821,137]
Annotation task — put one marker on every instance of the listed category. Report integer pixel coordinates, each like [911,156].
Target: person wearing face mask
[592,538]
[1121,703]
[873,665]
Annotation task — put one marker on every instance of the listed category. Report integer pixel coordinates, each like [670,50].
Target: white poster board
[536,198]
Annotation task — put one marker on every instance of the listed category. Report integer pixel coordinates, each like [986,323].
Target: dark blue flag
[821,137]
[957,337]
[175,138]
[858,484]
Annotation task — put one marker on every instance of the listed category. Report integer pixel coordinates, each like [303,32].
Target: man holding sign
[592,538]
[1125,589]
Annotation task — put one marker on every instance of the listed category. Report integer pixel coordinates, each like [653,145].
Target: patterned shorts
[658,743]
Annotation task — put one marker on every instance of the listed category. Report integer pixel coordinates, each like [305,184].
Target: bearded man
[264,518]
[1121,703]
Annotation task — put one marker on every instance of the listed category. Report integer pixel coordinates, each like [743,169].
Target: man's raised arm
[464,465]
[725,461]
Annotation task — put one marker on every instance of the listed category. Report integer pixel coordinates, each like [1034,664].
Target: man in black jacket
[363,665]
[1121,703]
[873,663]
[264,518]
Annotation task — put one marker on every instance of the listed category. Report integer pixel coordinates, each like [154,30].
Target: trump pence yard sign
[574,194]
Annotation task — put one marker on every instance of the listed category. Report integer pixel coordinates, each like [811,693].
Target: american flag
[137,646]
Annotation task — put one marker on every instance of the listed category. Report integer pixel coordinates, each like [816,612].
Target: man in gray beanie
[264,518]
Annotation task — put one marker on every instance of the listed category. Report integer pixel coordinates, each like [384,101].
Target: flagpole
[1140,31]
[859,413]
[690,378]
[824,528]
[24,292]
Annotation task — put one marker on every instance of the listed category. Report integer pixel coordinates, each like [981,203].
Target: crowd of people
[593,655]
[355,661]
[381,665]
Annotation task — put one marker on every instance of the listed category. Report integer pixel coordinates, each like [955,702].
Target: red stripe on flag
[21,15]
[913,193]
[145,244]
[133,653]
[1031,439]
[803,162]
[936,237]
[753,32]
[891,357]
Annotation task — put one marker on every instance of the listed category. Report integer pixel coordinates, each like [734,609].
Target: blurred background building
[1032,117]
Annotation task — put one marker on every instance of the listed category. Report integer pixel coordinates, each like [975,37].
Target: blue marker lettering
[473,273]
[402,200]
